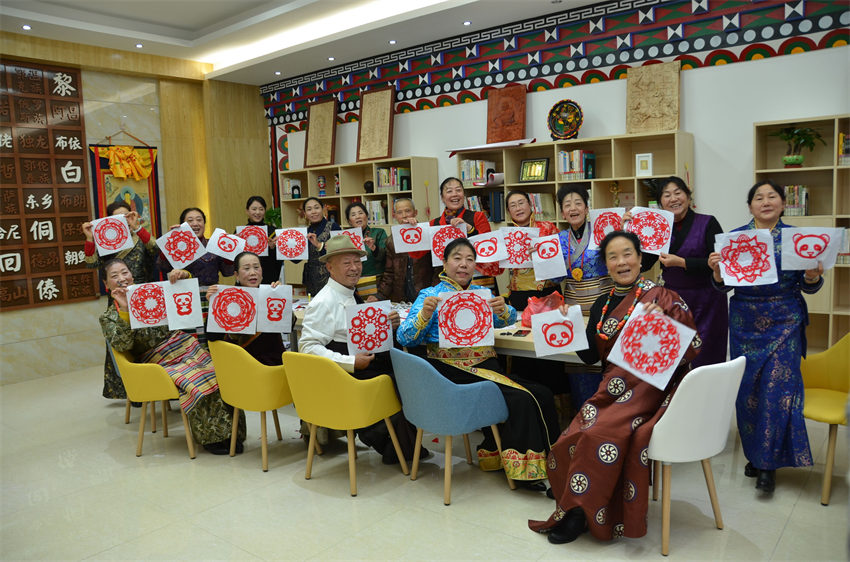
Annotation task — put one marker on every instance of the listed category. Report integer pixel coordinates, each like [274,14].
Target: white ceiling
[248,40]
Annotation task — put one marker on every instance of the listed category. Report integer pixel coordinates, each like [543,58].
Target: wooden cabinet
[828,185]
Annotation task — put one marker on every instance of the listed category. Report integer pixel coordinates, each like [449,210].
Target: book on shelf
[843,149]
[577,164]
[796,201]
[473,203]
[376,212]
[472,171]
[497,206]
[543,206]
[392,179]
[844,254]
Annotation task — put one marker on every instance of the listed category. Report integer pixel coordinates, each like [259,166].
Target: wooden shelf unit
[829,205]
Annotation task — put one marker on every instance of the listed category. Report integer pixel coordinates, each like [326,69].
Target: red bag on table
[538,305]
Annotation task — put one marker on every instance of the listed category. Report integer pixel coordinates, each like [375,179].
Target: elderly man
[405,274]
[325,333]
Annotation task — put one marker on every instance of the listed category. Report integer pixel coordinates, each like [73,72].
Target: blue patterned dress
[767,325]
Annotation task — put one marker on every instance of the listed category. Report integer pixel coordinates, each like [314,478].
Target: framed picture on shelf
[321,134]
[375,133]
[534,169]
[643,164]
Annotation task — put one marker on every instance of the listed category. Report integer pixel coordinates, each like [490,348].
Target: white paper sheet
[292,243]
[180,246]
[183,304]
[518,243]
[555,333]
[146,304]
[603,221]
[465,319]
[111,235]
[369,328]
[409,238]
[651,346]
[256,238]
[356,236]
[548,259]
[274,309]
[441,235]
[654,227]
[489,247]
[804,247]
[747,258]
[225,245]
[233,310]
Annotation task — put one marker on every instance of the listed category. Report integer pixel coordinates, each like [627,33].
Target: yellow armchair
[325,395]
[826,379]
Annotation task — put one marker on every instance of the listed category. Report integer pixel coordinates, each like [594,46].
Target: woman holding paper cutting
[767,325]
[186,362]
[255,208]
[532,421]
[375,245]
[265,347]
[206,268]
[598,468]
[319,229]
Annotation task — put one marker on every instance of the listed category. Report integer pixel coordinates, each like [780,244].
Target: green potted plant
[273,217]
[797,139]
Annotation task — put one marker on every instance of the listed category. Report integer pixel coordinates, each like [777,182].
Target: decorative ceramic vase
[793,161]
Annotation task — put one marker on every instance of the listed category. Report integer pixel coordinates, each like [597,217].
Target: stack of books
[576,164]
[543,206]
[393,179]
[796,201]
[475,171]
[473,203]
[497,206]
[843,149]
[376,212]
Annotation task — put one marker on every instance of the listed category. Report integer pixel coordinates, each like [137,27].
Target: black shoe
[568,530]
[239,448]
[218,448]
[550,494]
[750,471]
[533,485]
[766,482]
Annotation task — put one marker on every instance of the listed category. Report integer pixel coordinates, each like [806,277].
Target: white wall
[719,105]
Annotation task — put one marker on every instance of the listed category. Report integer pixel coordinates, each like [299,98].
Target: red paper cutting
[559,334]
[487,247]
[810,246]
[181,245]
[517,243]
[110,233]
[665,343]
[355,239]
[651,228]
[548,249]
[256,238]
[603,224]
[183,302]
[442,238]
[412,235]
[745,246]
[291,243]
[274,309]
[449,313]
[369,329]
[221,311]
[148,304]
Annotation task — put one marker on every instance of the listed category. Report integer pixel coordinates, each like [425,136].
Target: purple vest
[692,247]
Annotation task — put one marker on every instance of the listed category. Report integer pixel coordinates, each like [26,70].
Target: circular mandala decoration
[559,514]
[588,416]
[608,453]
[579,483]
[369,329]
[148,304]
[652,229]
[629,490]
[256,239]
[291,243]
[233,309]
[663,352]
[616,386]
[625,397]
[442,238]
[110,233]
[636,422]
[564,120]
[601,516]
[644,457]
[553,464]
[181,245]
[572,451]
[465,318]
[618,530]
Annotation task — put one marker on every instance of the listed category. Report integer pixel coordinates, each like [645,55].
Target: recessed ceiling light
[139,45]
[26,27]
[277,72]
[391,41]
[331,58]
[467,23]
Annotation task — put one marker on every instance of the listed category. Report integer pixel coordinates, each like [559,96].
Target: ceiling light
[391,41]
[26,27]
[277,72]
[139,45]
[467,23]
[331,58]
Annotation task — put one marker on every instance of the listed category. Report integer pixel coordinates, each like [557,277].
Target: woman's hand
[119,295]
[428,307]
[211,290]
[672,260]
[362,360]
[460,224]
[714,263]
[498,305]
[176,275]
[314,240]
[371,298]
[369,242]
[409,220]
[627,216]
[652,307]
[395,319]
[811,276]
[174,227]
[133,220]
[275,284]
[563,309]
[86,228]
[272,238]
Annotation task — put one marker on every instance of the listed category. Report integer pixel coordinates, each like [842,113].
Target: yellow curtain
[127,162]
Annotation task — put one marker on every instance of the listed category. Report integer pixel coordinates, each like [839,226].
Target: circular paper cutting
[517,243]
[564,120]
[603,224]
[651,343]
[745,258]
[181,245]
[369,329]
[110,233]
[291,243]
[355,238]
[233,309]
[465,318]
[148,304]
[256,238]
[651,228]
[442,238]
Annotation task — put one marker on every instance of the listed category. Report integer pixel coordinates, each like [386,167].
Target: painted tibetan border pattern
[568,49]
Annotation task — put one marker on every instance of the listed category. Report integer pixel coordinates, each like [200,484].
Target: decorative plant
[798,138]
[273,217]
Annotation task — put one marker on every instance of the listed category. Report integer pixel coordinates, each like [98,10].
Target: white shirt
[324,321]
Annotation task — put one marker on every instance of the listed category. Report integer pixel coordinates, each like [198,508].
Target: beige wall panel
[19,46]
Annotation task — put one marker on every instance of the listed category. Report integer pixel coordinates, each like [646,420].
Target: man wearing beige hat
[325,333]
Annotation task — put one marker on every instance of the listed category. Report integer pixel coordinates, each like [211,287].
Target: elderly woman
[598,469]
[532,422]
[319,229]
[767,324]
[374,239]
[187,363]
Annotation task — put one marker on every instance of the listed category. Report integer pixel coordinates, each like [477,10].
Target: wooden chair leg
[189,441]
[264,439]
[498,439]
[665,509]
[168,405]
[712,492]
[447,479]
[127,412]
[277,425]
[827,469]
[234,431]
[318,448]
[153,416]
[416,446]
[468,450]
[656,479]
[164,419]
[142,428]
[310,449]
[352,468]
[397,447]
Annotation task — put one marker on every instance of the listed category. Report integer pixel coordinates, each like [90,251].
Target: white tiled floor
[73,488]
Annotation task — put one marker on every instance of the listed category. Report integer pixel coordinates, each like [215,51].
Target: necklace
[625,318]
[576,272]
